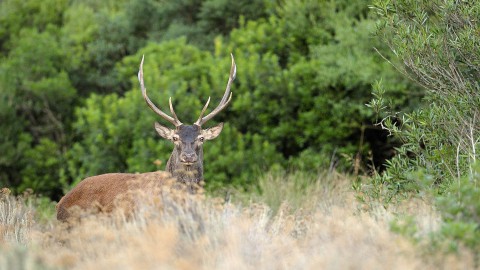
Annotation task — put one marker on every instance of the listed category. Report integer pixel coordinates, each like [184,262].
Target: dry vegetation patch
[325,230]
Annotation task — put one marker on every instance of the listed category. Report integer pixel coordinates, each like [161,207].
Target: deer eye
[175,138]
[201,138]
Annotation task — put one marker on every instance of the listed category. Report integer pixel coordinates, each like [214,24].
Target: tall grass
[15,218]
[301,190]
[314,225]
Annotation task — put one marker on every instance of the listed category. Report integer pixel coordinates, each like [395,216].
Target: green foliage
[36,102]
[52,54]
[460,208]
[440,137]
[199,21]
[316,81]
[438,43]
[71,107]
[42,163]
[460,201]
[461,211]
[98,36]
[16,15]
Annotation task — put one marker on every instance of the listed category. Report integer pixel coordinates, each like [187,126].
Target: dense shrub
[430,37]
[438,43]
[72,107]
[53,54]
[315,81]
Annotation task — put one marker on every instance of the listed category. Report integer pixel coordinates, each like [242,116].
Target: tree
[305,90]
[37,98]
[437,41]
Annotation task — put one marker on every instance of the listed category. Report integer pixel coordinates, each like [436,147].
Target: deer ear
[213,132]
[164,131]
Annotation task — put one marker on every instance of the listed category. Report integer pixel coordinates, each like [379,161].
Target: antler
[225,100]
[174,120]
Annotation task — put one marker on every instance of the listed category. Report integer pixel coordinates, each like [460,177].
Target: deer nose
[188,158]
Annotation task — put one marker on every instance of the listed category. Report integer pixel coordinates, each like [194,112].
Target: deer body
[101,192]
[185,163]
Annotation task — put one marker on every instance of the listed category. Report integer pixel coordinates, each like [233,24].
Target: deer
[184,166]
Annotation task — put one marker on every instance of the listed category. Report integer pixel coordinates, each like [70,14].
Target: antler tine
[198,122]
[173,112]
[174,120]
[227,97]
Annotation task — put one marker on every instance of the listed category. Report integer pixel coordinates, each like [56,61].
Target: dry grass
[15,219]
[324,230]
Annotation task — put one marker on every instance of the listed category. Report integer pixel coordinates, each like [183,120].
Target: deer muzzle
[188,158]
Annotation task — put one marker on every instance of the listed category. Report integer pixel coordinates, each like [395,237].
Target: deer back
[104,193]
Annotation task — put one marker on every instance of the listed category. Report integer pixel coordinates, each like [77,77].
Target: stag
[185,163]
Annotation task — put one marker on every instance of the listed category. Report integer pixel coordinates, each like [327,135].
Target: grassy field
[298,222]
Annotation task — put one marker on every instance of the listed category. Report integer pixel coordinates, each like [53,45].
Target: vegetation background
[71,104]
[385,92]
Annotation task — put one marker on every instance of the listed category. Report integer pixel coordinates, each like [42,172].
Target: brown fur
[102,192]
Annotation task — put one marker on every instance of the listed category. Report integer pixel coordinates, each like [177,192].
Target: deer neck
[183,173]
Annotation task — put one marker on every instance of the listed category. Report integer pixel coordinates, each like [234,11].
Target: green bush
[460,209]
[438,43]
[306,90]
[69,94]
[53,54]
[36,97]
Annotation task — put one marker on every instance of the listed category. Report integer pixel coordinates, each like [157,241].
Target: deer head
[186,160]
